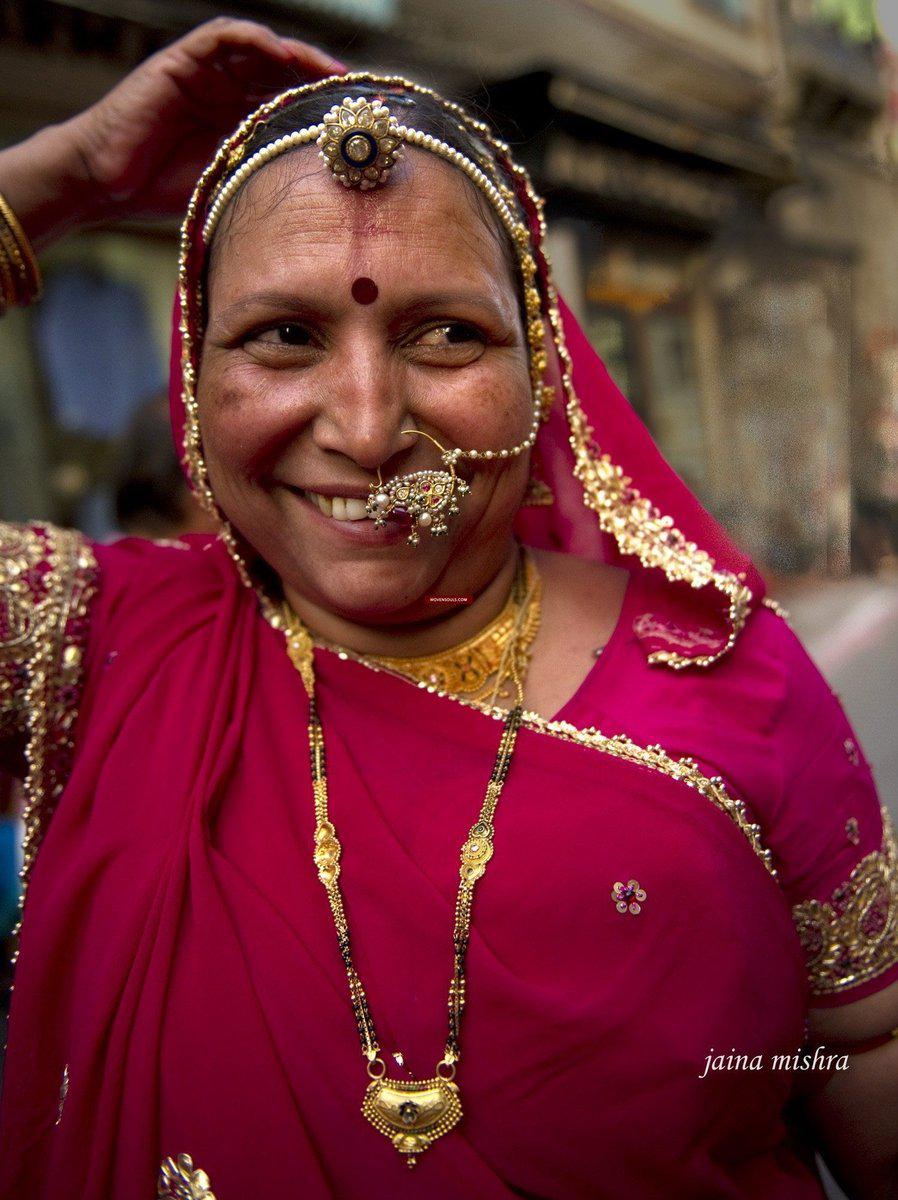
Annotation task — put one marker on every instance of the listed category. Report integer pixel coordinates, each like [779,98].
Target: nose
[363,412]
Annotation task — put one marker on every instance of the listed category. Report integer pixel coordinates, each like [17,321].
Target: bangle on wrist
[20,275]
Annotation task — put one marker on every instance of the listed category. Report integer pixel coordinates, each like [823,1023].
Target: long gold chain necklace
[479,668]
[412,1113]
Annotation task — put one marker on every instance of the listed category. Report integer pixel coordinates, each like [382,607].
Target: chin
[356,572]
[370,589]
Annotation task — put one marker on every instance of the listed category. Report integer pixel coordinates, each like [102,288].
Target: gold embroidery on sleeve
[21,551]
[853,936]
[178,1180]
[47,580]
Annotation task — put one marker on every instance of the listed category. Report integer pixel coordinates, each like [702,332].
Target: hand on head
[143,145]
[137,152]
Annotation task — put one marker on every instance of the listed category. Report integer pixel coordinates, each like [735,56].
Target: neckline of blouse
[610,650]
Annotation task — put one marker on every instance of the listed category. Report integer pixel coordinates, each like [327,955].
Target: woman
[681,869]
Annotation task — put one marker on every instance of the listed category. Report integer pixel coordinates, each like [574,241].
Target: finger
[252,52]
[224,89]
[210,40]
[315,58]
[215,38]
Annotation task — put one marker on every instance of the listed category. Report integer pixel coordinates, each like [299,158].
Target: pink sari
[180,991]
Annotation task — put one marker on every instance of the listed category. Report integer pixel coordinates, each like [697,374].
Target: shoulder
[145,574]
[808,719]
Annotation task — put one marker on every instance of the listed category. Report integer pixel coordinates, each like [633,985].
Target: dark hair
[415,109]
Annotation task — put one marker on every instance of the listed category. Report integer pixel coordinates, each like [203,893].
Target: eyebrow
[277,300]
[289,302]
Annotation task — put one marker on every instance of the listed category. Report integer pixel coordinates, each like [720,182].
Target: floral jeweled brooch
[359,142]
[626,897]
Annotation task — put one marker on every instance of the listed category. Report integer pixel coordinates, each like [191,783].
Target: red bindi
[364,290]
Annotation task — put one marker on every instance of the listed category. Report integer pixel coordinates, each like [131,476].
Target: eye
[284,335]
[286,345]
[455,343]
[452,334]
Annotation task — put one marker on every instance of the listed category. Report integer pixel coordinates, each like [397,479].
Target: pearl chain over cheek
[508,451]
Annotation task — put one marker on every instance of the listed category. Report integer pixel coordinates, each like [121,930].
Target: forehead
[294,218]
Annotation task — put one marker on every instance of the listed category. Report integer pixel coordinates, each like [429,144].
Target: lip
[361,533]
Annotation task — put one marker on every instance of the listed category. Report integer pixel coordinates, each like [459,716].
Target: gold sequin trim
[637,525]
[180,1180]
[776,607]
[853,936]
[47,580]
[684,770]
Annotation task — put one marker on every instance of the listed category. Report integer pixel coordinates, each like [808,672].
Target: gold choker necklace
[482,667]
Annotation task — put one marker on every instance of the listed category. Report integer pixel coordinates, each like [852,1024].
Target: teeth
[355,509]
[341,508]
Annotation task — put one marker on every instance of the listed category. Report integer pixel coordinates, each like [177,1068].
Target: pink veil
[615,498]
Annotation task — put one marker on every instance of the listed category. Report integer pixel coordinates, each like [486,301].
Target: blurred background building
[721,187]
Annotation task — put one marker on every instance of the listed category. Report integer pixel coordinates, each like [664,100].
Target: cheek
[247,416]
[489,410]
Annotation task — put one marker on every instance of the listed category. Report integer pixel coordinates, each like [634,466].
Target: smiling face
[304,387]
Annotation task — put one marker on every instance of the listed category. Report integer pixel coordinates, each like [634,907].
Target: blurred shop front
[722,333]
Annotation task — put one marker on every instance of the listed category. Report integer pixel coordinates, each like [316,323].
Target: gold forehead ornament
[359,140]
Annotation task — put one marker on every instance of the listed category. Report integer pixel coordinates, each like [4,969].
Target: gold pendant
[412,1113]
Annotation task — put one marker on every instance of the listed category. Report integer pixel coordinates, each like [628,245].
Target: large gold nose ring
[428,497]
